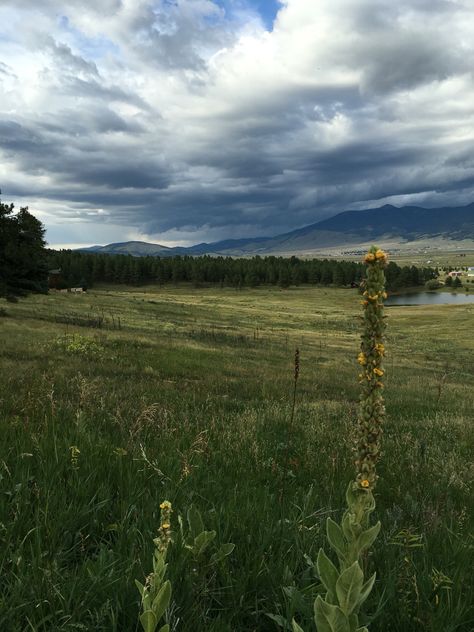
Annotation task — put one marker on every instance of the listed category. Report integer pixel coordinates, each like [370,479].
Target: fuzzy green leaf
[327,572]
[140,587]
[148,621]
[351,496]
[366,589]
[162,600]
[329,618]
[223,551]
[362,629]
[348,588]
[281,622]
[367,538]
[164,628]
[295,627]
[196,525]
[336,537]
[348,526]
[202,541]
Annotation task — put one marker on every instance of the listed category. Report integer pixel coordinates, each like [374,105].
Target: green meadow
[114,400]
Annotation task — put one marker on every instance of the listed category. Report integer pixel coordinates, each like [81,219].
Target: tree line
[86,269]
[26,266]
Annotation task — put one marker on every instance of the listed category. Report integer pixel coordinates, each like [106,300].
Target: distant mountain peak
[398,224]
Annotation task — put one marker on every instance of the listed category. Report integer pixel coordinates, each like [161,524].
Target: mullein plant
[156,593]
[345,585]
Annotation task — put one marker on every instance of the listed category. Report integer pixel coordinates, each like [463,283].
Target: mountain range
[408,226]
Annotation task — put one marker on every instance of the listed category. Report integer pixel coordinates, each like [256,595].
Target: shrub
[79,345]
[432,284]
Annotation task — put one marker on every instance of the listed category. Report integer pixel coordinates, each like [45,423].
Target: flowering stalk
[156,593]
[346,587]
[371,409]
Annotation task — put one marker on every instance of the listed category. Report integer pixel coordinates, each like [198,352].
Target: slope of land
[404,229]
[114,400]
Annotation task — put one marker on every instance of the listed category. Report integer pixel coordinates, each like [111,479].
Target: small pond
[430,298]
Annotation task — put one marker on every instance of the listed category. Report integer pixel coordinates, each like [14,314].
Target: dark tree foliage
[80,268]
[23,257]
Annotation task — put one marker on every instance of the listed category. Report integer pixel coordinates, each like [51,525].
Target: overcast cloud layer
[190,120]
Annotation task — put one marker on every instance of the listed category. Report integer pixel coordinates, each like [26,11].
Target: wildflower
[360,500]
[75,452]
[371,409]
[120,452]
[164,534]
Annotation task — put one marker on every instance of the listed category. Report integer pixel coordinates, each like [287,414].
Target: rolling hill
[405,226]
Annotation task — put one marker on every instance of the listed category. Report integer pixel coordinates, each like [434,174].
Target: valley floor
[115,400]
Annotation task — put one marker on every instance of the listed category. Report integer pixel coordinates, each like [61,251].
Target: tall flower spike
[346,588]
[372,349]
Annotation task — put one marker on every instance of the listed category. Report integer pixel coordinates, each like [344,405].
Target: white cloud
[178,120]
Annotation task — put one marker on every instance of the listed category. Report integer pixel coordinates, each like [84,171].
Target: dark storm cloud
[166,116]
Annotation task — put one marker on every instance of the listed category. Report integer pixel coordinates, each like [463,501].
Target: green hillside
[112,401]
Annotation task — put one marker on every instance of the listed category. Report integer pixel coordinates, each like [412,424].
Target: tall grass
[162,413]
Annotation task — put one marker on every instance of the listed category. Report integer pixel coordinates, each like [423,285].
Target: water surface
[430,298]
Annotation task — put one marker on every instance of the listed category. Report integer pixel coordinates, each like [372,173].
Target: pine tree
[23,264]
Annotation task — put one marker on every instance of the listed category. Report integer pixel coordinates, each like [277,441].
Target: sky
[182,121]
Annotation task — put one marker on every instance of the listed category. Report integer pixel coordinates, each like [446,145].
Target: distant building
[455,273]
[54,279]
[470,272]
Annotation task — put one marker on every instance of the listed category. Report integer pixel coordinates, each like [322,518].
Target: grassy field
[114,400]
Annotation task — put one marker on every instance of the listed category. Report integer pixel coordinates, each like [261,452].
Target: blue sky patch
[266,8]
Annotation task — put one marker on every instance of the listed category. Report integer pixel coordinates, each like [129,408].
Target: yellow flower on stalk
[165,525]
[380,254]
[361,359]
[384,294]
[374,297]
[165,505]
[369,257]
[379,347]
[365,483]
[379,372]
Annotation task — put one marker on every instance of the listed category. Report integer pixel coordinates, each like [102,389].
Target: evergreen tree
[23,263]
